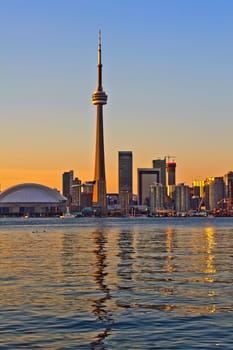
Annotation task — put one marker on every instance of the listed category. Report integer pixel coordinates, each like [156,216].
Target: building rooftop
[31,193]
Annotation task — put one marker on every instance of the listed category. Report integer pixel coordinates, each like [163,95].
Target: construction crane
[227,201]
[202,201]
[170,158]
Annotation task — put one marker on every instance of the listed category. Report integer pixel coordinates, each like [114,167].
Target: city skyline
[167,69]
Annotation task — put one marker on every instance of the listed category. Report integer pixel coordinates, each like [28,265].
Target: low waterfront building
[31,199]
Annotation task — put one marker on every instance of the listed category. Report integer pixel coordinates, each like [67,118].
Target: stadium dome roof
[31,193]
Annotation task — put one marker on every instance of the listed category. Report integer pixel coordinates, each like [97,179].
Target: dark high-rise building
[125,168]
[99,98]
[161,164]
[125,178]
[171,173]
[67,179]
[171,178]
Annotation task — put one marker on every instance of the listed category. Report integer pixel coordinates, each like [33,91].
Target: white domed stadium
[32,200]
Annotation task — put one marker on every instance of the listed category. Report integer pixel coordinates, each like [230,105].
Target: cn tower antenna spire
[99,42]
[99,98]
[99,65]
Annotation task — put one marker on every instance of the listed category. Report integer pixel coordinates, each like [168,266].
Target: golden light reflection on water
[46,269]
[169,265]
[23,269]
[195,263]
[101,273]
[210,255]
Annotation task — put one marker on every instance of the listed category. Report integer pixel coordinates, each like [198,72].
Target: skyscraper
[171,173]
[216,192]
[182,198]
[228,178]
[99,98]
[67,178]
[76,194]
[125,179]
[161,164]
[171,178]
[157,195]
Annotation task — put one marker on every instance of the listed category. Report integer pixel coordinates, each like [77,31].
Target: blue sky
[167,69]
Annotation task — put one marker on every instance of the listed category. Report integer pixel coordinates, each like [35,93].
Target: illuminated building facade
[76,195]
[198,188]
[208,182]
[86,194]
[197,200]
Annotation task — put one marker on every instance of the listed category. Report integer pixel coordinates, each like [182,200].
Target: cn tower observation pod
[32,200]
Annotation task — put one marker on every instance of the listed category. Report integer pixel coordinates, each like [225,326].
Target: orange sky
[169,83]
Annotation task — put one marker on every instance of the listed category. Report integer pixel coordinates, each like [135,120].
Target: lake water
[131,283]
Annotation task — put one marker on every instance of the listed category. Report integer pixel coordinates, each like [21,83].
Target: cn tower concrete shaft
[99,98]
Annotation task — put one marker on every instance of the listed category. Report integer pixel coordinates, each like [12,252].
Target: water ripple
[116,283]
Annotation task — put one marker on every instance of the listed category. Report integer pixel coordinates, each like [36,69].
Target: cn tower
[99,98]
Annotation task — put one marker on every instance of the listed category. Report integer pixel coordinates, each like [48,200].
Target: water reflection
[194,260]
[210,256]
[125,270]
[100,309]
[92,286]
[174,266]
[169,266]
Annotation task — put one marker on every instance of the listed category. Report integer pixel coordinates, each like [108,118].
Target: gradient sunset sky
[167,70]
